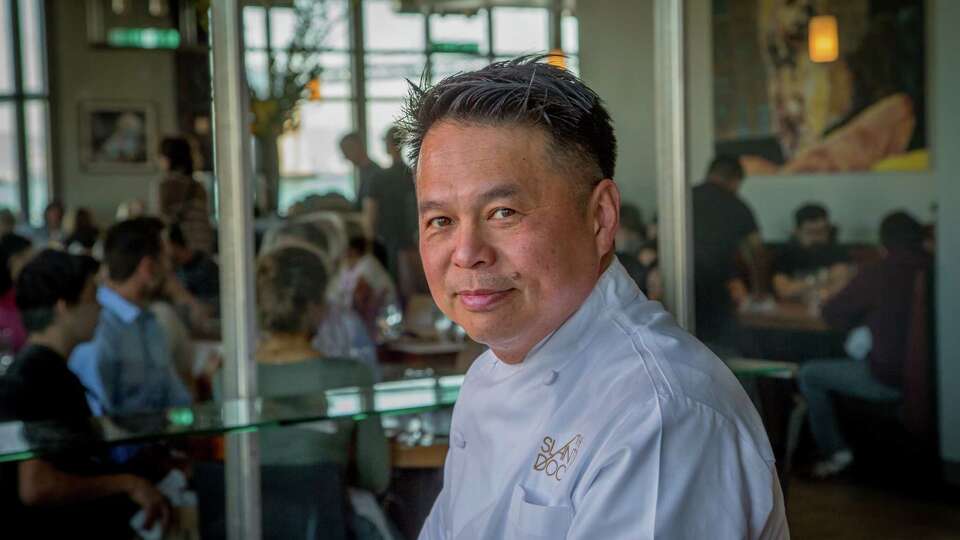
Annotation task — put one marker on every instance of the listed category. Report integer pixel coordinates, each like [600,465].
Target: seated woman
[341,332]
[291,282]
[15,251]
[82,232]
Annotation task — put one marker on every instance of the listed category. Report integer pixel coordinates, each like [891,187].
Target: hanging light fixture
[313,89]
[118,6]
[159,8]
[557,58]
[824,41]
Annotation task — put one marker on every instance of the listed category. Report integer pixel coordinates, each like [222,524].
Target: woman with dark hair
[82,230]
[15,251]
[180,198]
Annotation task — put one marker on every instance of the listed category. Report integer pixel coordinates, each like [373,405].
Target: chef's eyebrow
[499,191]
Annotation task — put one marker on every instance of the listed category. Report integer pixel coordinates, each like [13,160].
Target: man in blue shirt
[128,366]
[67,491]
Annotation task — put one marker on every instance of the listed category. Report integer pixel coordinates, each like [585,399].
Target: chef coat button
[551,377]
[457,439]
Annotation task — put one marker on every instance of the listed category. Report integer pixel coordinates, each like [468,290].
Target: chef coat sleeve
[679,472]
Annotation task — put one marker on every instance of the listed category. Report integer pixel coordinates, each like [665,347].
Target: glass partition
[29,440]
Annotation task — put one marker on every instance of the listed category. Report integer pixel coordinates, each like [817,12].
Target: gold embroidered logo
[554,461]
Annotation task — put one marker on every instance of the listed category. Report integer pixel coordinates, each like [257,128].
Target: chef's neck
[516,351]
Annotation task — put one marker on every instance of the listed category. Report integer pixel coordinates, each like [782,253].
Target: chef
[592,415]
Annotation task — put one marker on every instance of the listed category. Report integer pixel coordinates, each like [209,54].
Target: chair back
[297,501]
[919,381]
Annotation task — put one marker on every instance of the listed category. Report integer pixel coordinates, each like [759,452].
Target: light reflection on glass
[344,404]
[387,401]
[181,416]
[405,384]
[451,381]
[413,396]
[11,437]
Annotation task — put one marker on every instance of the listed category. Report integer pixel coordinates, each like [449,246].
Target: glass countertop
[27,440]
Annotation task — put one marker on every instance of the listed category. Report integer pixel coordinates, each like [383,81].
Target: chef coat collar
[613,290]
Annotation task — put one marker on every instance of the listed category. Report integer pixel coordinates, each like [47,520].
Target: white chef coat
[619,425]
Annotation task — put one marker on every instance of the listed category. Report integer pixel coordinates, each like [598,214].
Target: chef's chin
[487,329]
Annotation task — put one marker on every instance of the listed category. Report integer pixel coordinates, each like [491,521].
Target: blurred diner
[436,270]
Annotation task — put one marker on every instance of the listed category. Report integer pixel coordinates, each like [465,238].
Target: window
[6,50]
[24,110]
[9,166]
[461,29]
[396,50]
[384,29]
[520,30]
[387,74]
[38,157]
[310,160]
[381,114]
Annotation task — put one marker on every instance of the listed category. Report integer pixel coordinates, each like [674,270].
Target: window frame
[22,98]
[365,100]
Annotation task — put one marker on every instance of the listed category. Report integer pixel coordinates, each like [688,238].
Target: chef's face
[510,246]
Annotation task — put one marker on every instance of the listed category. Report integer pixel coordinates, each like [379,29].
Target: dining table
[782,315]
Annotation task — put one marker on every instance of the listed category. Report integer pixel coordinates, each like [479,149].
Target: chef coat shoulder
[618,425]
[662,370]
[621,355]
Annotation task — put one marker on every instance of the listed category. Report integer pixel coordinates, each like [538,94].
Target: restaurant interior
[774,157]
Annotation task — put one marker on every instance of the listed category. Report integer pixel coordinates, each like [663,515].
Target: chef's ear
[604,212]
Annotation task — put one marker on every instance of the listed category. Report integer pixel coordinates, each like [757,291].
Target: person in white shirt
[362,283]
[593,414]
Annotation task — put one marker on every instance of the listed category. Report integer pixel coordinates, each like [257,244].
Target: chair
[904,431]
[297,501]
[919,378]
[752,368]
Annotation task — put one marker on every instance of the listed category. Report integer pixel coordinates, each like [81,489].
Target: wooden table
[792,316]
[418,457]
[421,353]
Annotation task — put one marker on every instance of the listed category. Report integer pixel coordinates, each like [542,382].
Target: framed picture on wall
[118,136]
[821,86]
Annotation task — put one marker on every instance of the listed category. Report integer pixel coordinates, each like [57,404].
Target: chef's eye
[502,213]
[439,222]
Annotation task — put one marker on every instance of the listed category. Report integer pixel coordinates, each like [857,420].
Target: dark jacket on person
[183,200]
[35,389]
[881,297]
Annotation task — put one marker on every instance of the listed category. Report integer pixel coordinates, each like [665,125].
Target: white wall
[616,59]
[79,73]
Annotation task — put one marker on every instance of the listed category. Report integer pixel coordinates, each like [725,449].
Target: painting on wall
[786,105]
[118,137]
